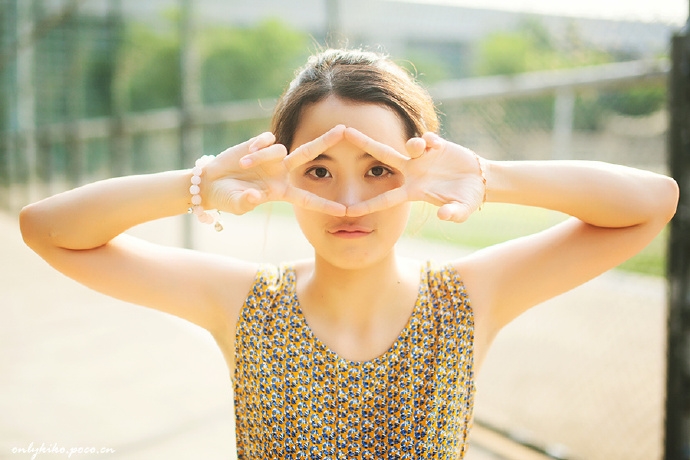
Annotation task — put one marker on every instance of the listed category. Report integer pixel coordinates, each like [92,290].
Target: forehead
[375,120]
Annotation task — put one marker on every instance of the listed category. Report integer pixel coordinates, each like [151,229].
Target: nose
[350,192]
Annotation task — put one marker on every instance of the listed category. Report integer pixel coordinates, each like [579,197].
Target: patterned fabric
[295,398]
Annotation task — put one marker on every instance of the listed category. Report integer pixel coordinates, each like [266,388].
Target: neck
[358,313]
[356,297]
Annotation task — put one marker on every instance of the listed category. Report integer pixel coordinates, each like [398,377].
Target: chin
[355,260]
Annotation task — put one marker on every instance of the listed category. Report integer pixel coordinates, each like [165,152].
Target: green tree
[428,69]
[149,68]
[634,102]
[252,62]
[237,63]
[503,53]
[531,47]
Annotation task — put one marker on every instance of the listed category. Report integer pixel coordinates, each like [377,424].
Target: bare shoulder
[474,281]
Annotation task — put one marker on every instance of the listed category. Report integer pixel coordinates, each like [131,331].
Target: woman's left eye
[379,171]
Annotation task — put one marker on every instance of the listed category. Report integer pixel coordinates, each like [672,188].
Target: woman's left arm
[616,211]
[600,194]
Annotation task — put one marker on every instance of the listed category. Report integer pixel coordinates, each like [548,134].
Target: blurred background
[91,89]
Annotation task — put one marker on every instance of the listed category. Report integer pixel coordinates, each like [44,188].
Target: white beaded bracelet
[196,208]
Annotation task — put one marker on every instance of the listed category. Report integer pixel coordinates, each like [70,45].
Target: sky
[667,11]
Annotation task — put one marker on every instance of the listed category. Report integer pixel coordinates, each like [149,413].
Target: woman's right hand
[256,171]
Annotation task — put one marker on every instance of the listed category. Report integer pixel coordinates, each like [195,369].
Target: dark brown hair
[358,76]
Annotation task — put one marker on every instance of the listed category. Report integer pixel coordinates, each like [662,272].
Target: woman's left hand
[436,171]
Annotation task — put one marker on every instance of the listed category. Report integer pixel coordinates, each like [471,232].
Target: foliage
[531,47]
[148,68]
[427,69]
[246,63]
[637,101]
[236,63]
[504,53]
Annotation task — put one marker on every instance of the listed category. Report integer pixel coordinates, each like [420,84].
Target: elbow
[669,196]
[656,202]
[27,225]
[30,226]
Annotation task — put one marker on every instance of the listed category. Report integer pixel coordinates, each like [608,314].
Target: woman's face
[348,175]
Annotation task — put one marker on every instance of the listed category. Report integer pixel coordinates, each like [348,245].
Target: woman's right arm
[80,233]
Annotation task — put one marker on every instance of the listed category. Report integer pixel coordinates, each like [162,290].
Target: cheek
[323,189]
[403,212]
[396,219]
[396,181]
[310,222]
[377,187]
[300,213]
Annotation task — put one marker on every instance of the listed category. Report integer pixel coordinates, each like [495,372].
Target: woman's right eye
[319,172]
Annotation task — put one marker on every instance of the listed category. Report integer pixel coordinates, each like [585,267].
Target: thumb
[240,202]
[455,211]
[415,147]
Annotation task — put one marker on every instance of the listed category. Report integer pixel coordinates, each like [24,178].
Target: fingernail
[246,162]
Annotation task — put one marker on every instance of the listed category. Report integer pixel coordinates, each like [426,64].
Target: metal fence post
[26,102]
[564,114]
[334,33]
[74,103]
[677,429]
[120,158]
[191,141]
[9,39]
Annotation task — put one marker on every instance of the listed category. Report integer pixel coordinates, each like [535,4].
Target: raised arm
[80,232]
[92,215]
[600,194]
[616,211]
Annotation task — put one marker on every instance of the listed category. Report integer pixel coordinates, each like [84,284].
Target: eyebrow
[326,157]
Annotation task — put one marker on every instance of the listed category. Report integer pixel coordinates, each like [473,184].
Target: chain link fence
[110,87]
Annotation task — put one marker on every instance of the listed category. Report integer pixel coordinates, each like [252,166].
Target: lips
[349,231]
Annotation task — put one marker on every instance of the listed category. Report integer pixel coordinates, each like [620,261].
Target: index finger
[312,149]
[379,203]
[314,202]
[382,152]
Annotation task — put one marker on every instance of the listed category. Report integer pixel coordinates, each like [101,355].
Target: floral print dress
[295,398]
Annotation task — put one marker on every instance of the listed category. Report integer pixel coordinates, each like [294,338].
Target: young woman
[355,352]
